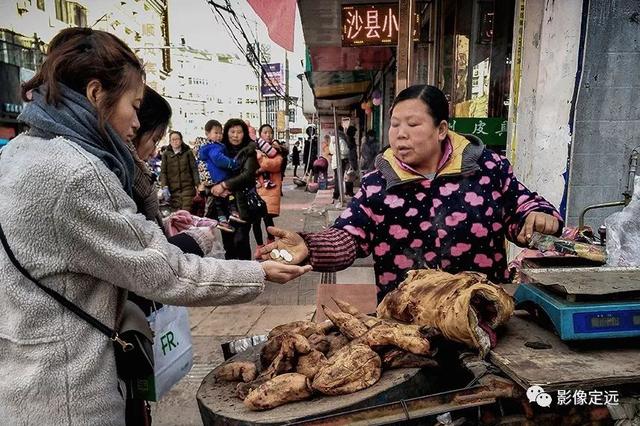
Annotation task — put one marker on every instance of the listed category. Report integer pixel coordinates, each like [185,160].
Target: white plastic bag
[172,350]
[623,232]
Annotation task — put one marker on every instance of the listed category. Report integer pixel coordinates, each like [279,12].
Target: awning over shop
[335,58]
[339,84]
[338,76]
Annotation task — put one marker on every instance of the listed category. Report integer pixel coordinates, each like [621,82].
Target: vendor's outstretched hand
[280,273]
[540,222]
[289,241]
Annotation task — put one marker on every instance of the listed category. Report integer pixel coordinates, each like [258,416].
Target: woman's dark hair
[263,127]
[433,98]
[77,56]
[154,114]
[232,123]
[211,124]
[176,133]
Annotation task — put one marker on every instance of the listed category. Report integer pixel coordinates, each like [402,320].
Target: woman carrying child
[240,147]
[269,183]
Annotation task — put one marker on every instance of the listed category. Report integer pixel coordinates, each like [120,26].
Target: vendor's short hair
[433,98]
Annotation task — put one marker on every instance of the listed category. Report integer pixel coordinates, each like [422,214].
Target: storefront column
[539,114]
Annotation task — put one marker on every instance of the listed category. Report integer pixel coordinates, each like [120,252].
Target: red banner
[279,17]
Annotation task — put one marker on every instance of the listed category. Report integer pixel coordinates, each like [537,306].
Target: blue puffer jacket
[219,165]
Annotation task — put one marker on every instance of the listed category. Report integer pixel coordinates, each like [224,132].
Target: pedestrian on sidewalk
[270,194]
[284,151]
[265,146]
[437,199]
[178,172]
[235,137]
[344,163]
[295,158]
[86,240]
[219,166]
[369,151]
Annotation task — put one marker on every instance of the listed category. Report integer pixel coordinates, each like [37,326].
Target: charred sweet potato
[304,328]
[352,368]
[279,390]
[348,325]
[236,371]
[397,358]
[403,336]
[310,363]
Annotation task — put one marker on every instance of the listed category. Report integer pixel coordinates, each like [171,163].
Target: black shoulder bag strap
[110,333]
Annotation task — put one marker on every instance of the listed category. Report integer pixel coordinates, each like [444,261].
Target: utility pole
[286,98]
[259,77]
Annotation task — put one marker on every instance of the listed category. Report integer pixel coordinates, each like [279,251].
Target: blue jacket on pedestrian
[219,165]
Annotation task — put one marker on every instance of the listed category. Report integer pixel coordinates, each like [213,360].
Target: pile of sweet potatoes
[344,354]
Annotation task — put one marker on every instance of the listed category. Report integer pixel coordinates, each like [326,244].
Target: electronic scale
[583,302]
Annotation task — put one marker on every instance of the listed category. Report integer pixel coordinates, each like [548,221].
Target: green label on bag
[167,342]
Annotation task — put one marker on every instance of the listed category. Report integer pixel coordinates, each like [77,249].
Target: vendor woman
[435,200]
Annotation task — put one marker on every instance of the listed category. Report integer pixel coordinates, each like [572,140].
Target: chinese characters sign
[372,25]
[272,80]
[492,131]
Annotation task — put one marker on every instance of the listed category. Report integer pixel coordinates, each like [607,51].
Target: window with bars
[40,4]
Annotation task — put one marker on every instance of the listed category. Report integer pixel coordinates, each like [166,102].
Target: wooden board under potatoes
[218,403]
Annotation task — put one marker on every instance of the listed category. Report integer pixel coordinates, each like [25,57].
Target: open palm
[289,241]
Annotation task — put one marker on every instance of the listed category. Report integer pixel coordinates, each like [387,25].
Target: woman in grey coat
[84,239]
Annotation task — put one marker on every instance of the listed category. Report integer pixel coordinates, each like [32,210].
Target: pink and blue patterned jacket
[456,221]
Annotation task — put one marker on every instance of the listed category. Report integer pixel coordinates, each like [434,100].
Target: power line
[252,58]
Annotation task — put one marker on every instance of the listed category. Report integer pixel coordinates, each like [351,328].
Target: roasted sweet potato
[304,328]
[292,346]
[352,368]
[279,390]
[336,342]
[348,325]
[271,349]
[348,308]
[397,358]
[310,363]
[319,342]
[243,389]
[404,336]
[235,371]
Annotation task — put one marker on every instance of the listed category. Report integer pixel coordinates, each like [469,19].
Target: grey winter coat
[71,224]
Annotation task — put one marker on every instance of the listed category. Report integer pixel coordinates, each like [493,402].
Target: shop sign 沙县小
[372,24]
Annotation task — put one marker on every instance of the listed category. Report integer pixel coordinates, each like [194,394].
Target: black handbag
[256,206]
[132,342]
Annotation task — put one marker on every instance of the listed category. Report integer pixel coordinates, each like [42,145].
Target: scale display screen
[606,322]
[613,321]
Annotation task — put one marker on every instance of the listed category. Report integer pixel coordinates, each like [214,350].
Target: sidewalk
[279,303]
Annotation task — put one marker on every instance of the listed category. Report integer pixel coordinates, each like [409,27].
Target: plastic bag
[623,232]
[172,351]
